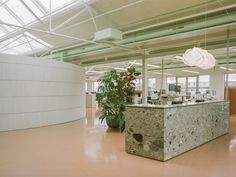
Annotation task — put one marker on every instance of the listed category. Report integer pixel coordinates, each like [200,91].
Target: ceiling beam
[187,27]
[48,32]
[104,14]
[31,11]
[69,19]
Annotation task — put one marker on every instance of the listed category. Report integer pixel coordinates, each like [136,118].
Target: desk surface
[173,105]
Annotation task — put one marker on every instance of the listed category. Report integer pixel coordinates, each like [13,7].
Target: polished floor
[84,148]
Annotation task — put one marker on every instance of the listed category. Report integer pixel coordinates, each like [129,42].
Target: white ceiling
[73,22]
[120,14]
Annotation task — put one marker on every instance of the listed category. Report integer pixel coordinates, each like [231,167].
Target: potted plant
[116,90]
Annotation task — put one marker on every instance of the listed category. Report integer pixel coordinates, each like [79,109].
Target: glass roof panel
[45,3]
[6,17]
[34,8]
[55,3]
[6,42]
[13,44]
[10,51]
[6,29]
[21,11]
[18,13]
[36,45]
[2,33]
[20,44]
[37,39]
[23,49]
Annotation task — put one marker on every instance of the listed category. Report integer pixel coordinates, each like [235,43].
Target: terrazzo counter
[162,132]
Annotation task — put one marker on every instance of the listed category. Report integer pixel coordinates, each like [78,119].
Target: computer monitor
[177,88]
[171,87]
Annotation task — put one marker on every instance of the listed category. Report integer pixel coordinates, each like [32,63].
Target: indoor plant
[116,90]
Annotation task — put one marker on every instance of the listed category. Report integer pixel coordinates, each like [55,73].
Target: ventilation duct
[108,34]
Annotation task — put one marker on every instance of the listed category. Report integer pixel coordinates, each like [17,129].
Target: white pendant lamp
[199,57]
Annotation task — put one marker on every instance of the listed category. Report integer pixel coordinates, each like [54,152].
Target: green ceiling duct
[156,53]
[182,27]
[220,61]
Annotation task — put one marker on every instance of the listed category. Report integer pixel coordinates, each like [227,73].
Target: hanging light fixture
[199,57]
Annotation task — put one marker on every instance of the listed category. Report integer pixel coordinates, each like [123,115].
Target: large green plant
[115,91]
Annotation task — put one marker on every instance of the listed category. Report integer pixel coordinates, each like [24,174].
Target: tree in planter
[116,90]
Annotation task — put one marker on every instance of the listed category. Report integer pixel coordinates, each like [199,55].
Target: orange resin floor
[84,148]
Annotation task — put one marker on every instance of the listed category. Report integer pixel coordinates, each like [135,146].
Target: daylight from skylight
[25,13]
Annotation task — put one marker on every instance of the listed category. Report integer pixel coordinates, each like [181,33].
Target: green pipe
[220,61]
[191,26]
[182,28]
[110,60]
[156,53]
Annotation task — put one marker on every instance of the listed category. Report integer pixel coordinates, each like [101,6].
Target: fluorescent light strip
[140,64]
[122,69]
[155,66]
[159,73]
[178,57]
[188,71]
[226,68]
[96,71]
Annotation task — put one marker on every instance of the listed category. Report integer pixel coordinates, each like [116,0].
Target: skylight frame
[46,4]
[20,11]
[5,13]
[35,8]
[19,21]
[2,33]
[29,41]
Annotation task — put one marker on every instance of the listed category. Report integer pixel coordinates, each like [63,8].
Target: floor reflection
[79,149]
[97,144]
[92,118]
[232,145]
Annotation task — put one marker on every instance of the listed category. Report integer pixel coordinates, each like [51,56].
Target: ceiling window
[2,33]
[55,4]
[25,13]
[35,9]
[37,39]
[23,44]
[21,11]
[6,29]
[6,17]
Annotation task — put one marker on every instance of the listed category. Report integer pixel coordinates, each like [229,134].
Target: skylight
[2,33]
[23,44]
[39,13]
[26,13]
[55,4]
[6,17]
[21,11]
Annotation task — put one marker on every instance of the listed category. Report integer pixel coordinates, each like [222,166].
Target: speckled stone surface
[163,133]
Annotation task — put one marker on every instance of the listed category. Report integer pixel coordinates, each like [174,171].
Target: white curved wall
[36,92]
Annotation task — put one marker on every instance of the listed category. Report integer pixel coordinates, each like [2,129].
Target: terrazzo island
[162,132]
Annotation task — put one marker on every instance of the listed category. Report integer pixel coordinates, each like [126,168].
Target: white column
[89,86]
[217,82]
[144,80]
[158,82]
[226,97]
